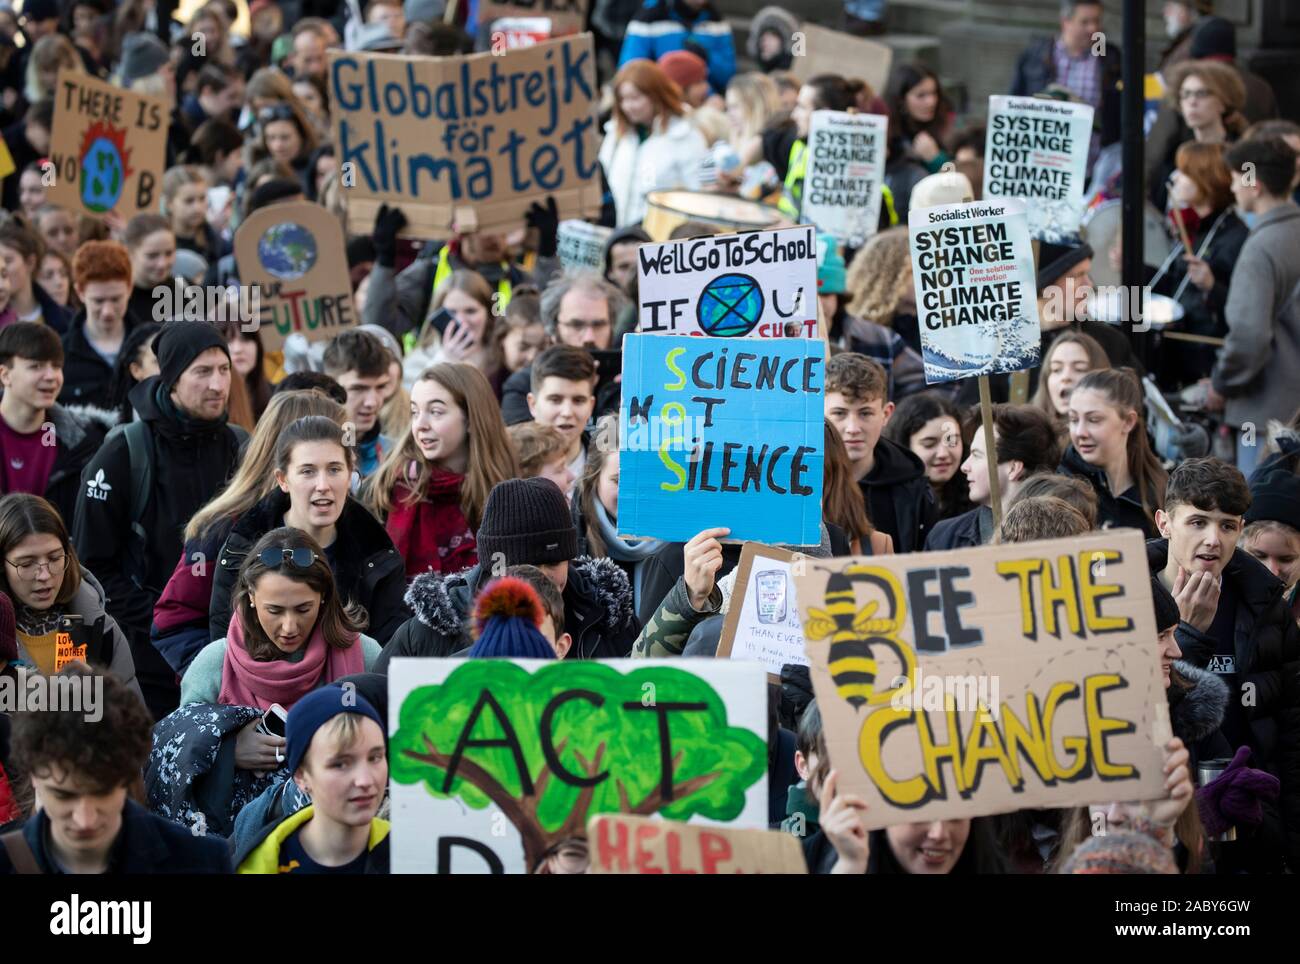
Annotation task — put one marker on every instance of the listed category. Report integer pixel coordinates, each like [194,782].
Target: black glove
[388,222]
[547,222]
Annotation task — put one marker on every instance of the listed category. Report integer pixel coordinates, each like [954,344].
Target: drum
[665,210]
[1112,307]
[1102,227]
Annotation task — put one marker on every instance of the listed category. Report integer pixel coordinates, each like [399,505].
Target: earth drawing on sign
[287,251]
[105,161]
[730,306]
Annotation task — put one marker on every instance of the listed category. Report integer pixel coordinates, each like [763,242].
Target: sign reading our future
[495,764]
[722,433]
[846,166]
[978,681]
[108,147]
[1037,149]
[467,143]
[976,294]
[294,255]
[730,285]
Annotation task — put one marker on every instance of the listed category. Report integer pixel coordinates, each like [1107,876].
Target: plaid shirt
[1081,76]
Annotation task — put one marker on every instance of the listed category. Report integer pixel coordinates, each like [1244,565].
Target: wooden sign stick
[990,446]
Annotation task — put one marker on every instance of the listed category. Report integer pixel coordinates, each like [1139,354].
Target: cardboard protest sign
[1037,149]
[722,433]
[467,143]
[294,254]
[565,16]
[976,290]
[581,245]
[495,762]
[108,147]
[955,684]
[730,285]
[827,51]
[763,618]
[621,844]
[512,33]
[846,166]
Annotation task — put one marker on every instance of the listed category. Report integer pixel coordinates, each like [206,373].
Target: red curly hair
[101,261]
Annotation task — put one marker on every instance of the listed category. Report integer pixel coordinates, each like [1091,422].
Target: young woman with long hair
[180,617]
[467,338]
[1070,356]
[313,478]
[930,427]
[1109,448]
[433,487]
[843,504]
[52,593]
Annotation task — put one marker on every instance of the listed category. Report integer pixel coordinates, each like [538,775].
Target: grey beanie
[143,54]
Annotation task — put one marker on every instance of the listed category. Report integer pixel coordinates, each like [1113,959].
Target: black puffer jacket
[1196,707]
[900,500]
[1267,644]
[367,567]
[597,613]
[961,531]
[1113,512]
[79,431]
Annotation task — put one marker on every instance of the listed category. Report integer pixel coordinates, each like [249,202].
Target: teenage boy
[102,276]
[43,446]
[359,362]
[1235,624]
[900,501]
[562,396]
[81,771]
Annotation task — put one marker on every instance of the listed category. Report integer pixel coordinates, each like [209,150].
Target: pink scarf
[249,682]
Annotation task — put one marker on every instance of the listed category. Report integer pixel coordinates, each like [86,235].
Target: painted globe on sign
[287,251]
[730,306]
[102,176]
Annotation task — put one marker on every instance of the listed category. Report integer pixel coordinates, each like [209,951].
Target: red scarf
[250,682]
[432,534]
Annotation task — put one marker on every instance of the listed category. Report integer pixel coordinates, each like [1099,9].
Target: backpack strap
[20,853]
[140,452]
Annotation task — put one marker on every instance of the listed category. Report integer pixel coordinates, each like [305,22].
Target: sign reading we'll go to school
[722,432]
[979,681]
[467,143]
[762,284]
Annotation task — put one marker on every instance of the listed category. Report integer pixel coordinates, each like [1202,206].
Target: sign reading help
[730,285]
[497,763]
[976,291]
[467,143]
[957,684]
[722,433]
[1038,149]
[622,844]
[846,166]
[294,254]
[108,147]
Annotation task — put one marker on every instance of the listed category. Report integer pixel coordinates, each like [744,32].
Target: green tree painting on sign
[551,748]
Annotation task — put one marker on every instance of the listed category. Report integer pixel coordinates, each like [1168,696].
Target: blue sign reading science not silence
[716,432]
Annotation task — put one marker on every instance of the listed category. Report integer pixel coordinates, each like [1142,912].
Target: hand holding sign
[702,558]
[840,818]
[1178,784]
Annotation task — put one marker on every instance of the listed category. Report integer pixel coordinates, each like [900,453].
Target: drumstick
[1182,231]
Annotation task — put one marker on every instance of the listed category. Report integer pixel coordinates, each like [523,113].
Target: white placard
[845,168]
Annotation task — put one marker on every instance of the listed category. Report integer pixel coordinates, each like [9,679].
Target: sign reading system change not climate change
[846,166]
[976,294]
[730,285]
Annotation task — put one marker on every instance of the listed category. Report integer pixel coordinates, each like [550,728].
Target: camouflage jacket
[670,627]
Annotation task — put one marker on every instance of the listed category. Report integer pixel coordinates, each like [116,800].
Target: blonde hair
[255,477]
[880,277]
[712,124]
[759,101]
[52,51]
[535,445]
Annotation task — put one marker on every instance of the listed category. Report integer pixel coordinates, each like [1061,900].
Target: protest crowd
[278,537]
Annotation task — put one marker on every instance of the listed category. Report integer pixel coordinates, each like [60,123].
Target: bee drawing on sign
[855,633]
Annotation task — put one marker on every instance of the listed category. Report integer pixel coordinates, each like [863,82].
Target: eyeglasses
[30,570]
[300,558]
[577,325]
[1201,94]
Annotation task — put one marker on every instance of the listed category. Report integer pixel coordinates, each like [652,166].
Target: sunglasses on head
[278,112]
[301,558]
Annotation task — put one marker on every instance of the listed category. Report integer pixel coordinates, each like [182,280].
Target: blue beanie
[316,709]
[831,272]
[507,615]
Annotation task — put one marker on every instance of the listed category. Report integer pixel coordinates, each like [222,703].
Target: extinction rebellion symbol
[730,306]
